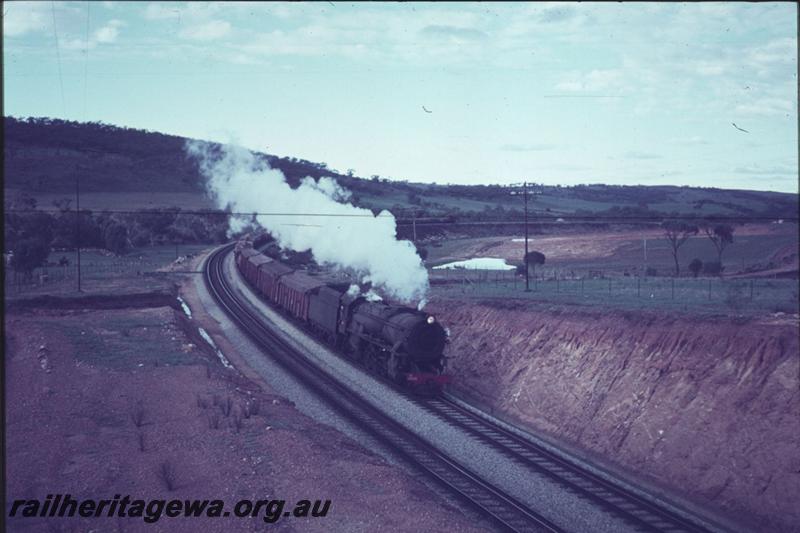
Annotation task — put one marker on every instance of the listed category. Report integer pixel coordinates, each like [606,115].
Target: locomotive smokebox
[416,333]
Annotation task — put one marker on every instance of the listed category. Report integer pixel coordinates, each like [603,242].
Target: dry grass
[202,402]
[238,422]
[168,475]
[138,414]
[227,407]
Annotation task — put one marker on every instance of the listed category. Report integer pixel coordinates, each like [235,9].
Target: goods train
[399,343]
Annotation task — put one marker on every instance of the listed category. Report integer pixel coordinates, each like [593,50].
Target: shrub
[138,414]
[713,268]
[116,238]
[695,266]
[254,406]
[167,475]
[227,407]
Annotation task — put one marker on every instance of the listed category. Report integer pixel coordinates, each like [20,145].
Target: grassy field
[101,271]
[607,269]
[126,341]
[704,295]
[616,252]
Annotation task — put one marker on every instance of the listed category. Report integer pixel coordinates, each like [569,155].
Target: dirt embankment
[710,409]
[163,298]
[131,402]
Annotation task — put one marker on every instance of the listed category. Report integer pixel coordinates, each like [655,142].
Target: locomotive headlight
[431,320]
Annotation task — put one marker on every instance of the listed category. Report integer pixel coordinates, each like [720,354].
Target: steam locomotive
[399,343]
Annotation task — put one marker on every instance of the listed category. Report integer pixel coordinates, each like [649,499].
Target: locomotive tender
[400,343]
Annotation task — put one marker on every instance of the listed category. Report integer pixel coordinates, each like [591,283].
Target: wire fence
[42,276]
[731,295]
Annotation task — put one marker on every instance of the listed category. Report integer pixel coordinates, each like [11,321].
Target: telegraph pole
[524,186]
[525,196]
[78,224]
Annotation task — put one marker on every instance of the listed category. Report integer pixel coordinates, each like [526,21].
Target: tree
[28,226]
[713,268]
[677,233]
[721,236]
[29,253]
[116,238]
[534,258]
[695,266]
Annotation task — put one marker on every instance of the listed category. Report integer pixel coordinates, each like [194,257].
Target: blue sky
[630,93]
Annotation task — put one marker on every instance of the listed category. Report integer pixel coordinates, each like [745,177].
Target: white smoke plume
[313,217]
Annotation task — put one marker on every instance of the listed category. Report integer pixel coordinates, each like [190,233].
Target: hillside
[43,157]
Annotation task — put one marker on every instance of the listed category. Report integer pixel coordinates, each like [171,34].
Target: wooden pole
[525,196]
[78,225]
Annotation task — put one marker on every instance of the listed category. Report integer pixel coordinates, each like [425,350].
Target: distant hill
[43,156]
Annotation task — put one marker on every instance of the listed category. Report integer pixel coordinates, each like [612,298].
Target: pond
[479,263]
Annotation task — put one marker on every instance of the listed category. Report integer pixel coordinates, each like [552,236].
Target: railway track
[503,509]
[640,513]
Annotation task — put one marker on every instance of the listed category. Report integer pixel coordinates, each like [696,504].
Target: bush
[713,268]
[116,238]
[536,258]
[167,474]
[695,266]
[29,253]
[650,271]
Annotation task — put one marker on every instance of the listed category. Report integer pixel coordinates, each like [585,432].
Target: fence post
[638,287]
[581,286]
[673,288]
[709,289]
[609,285]
[751,289]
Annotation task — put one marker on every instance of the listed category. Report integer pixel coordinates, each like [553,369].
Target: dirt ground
[129,402]
[620,249]
[706,409]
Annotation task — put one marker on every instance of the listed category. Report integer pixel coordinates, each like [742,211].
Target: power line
[86,60]
[545,219]
[58,60]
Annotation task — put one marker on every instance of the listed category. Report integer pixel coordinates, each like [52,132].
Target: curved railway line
[635,510]
[502,508]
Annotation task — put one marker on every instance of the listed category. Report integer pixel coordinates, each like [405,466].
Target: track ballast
[506,511]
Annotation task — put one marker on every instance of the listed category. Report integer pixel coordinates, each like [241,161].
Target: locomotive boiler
[399,343]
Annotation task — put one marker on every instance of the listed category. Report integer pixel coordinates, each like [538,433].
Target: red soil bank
[708,408]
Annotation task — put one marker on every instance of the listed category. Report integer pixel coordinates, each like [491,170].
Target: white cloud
[767,107]
[709,68]
[595,80]
[155,11]
[777,51]
[109,32]
[689,141]
[207,31]
[24,17]
[640,155]
[526,147]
